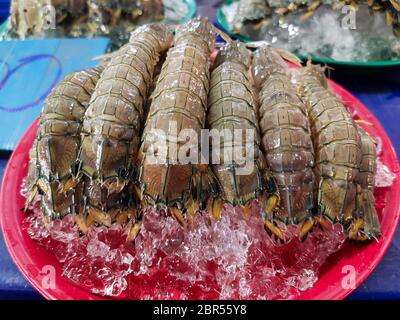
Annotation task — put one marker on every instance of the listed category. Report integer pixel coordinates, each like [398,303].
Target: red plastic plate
[31,258]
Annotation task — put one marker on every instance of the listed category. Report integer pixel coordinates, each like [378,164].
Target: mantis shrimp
[179,103]
[232,107]
[366,222]
[52,166]
[343,169]
[286,141]
[113,121]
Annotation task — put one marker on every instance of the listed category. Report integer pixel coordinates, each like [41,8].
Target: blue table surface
[379,92]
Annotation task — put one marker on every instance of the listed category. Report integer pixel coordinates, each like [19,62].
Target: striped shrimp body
[52,166]
[286,141]
[179,103]
[113,120]
[366,222]
[232,106]
[337,147]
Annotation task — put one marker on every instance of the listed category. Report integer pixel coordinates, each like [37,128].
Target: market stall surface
[379,92]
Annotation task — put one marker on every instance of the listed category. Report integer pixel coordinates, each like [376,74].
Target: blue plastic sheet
[29,70]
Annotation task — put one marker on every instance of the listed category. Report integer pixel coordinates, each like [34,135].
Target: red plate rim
[30,258]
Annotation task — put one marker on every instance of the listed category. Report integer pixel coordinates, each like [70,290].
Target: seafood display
[232,107]
[105,14]
[341,154]
[113,121]
[128,135]
[81,17]
[38,16]
[286,140]
[258,11]
[217,169]
[179,102]
[251,11]
[367,30]
[52,167]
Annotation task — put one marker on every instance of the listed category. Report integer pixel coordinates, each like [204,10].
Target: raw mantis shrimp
[366,222]
[179,102]
[232,107]
[101,129]
[343,169]
[113,121]
[52,166]
[286,141]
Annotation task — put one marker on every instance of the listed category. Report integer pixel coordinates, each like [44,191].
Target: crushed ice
[232,258]
[325,34]
[384,177]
